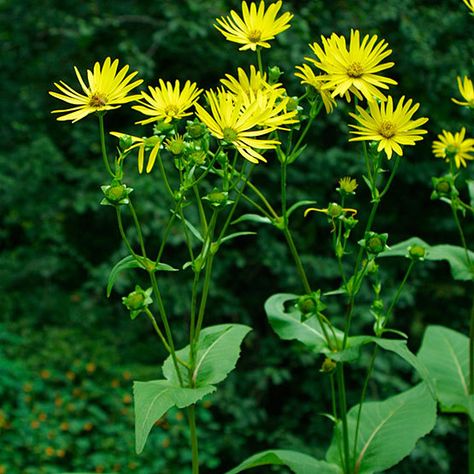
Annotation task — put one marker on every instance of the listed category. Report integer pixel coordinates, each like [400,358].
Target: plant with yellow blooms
[205,148]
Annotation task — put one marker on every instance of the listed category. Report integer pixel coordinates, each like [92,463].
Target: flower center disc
[230,135]
[387,129]
[171,110]
[97,100]
[254,36]
[355,70]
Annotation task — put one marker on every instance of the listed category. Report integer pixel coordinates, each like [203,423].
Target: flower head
[466,89]
[255,27]
[347,185]
[454,146]
[167,102]
[391,128]
[308,76]
[107,89]
[469,4]
[230,120]
[143,144]
[354,68]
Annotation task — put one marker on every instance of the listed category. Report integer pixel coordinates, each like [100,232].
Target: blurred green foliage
[57,245]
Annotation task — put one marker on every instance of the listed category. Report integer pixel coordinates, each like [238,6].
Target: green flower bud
[125,142]
[162,128]
[195,129]
[374,243]
[116,193]
[416,252]
[334,210]
[444,187]
[176,145]
[328,365]
[274,74]
[137,301]
[292,104]
[217,198]
[197,157]
[310,304]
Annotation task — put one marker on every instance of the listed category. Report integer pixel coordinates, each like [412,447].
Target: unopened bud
[328,365]
[416,252]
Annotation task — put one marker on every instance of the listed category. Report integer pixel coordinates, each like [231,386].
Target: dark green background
[69,355]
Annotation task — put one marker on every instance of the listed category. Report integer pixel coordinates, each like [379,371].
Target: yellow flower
[454,146]
[255,27]
[391,128]
[142,144]
[244,86]
[348,184]
[355,68]
[310,78]
[236,124]
[469,4]
[167,102]
[107,89]
[466,89]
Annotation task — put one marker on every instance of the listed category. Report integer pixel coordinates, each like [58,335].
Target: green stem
[166,232]
[297,259]
[461,235]
[335,415]
[259,60]
[122,232]
[202,214]
[102,144]
[343,409]
[164,176]
[194,439]
[262,198]
[138,228]
[192,324]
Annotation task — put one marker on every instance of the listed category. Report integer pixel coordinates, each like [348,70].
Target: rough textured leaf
[218,350]
[153,399]
[446,355]
[288,325]
[299,463]
[388,430]
[455,256]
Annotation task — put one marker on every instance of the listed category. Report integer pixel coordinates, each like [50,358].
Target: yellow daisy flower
[466,89]
[107,89]
[245,85]
[469,4]
[454,146]
[167,102]
[355,68]
[309,77]
[142,144]
[238,125]
[391,128]
[255,27]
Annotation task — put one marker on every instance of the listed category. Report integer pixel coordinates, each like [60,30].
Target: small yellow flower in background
[466,89]
[231,121]
[454,146]
[309,77]
[167,102]
[391,128]
[348,184]
[142,144]
[255,27]
[469,4]
[355,68]
[107,90]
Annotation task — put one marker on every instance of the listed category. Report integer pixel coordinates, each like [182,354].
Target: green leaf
[164,267]
[299,463]
[253,218]
[128,262]
[454,255]
[388,430]
[296,205]
[398,346]
[470,188]
[288,325]
[193,229]
[218,350]
[446,355]
[153,399]
[236,234]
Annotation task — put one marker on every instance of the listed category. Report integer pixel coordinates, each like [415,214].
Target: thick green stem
[297,259]
[138,228]
[194,439]
[259,60]
[343,410]
[102,144]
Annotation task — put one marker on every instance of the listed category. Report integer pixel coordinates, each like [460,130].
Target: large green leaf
[153,399]
[398,346]
[470,188]
[298,462]
[287,323]
[218,350]
[388,430]
[455,256]
[446,355]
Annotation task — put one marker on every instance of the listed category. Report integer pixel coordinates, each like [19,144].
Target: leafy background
[68,355]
